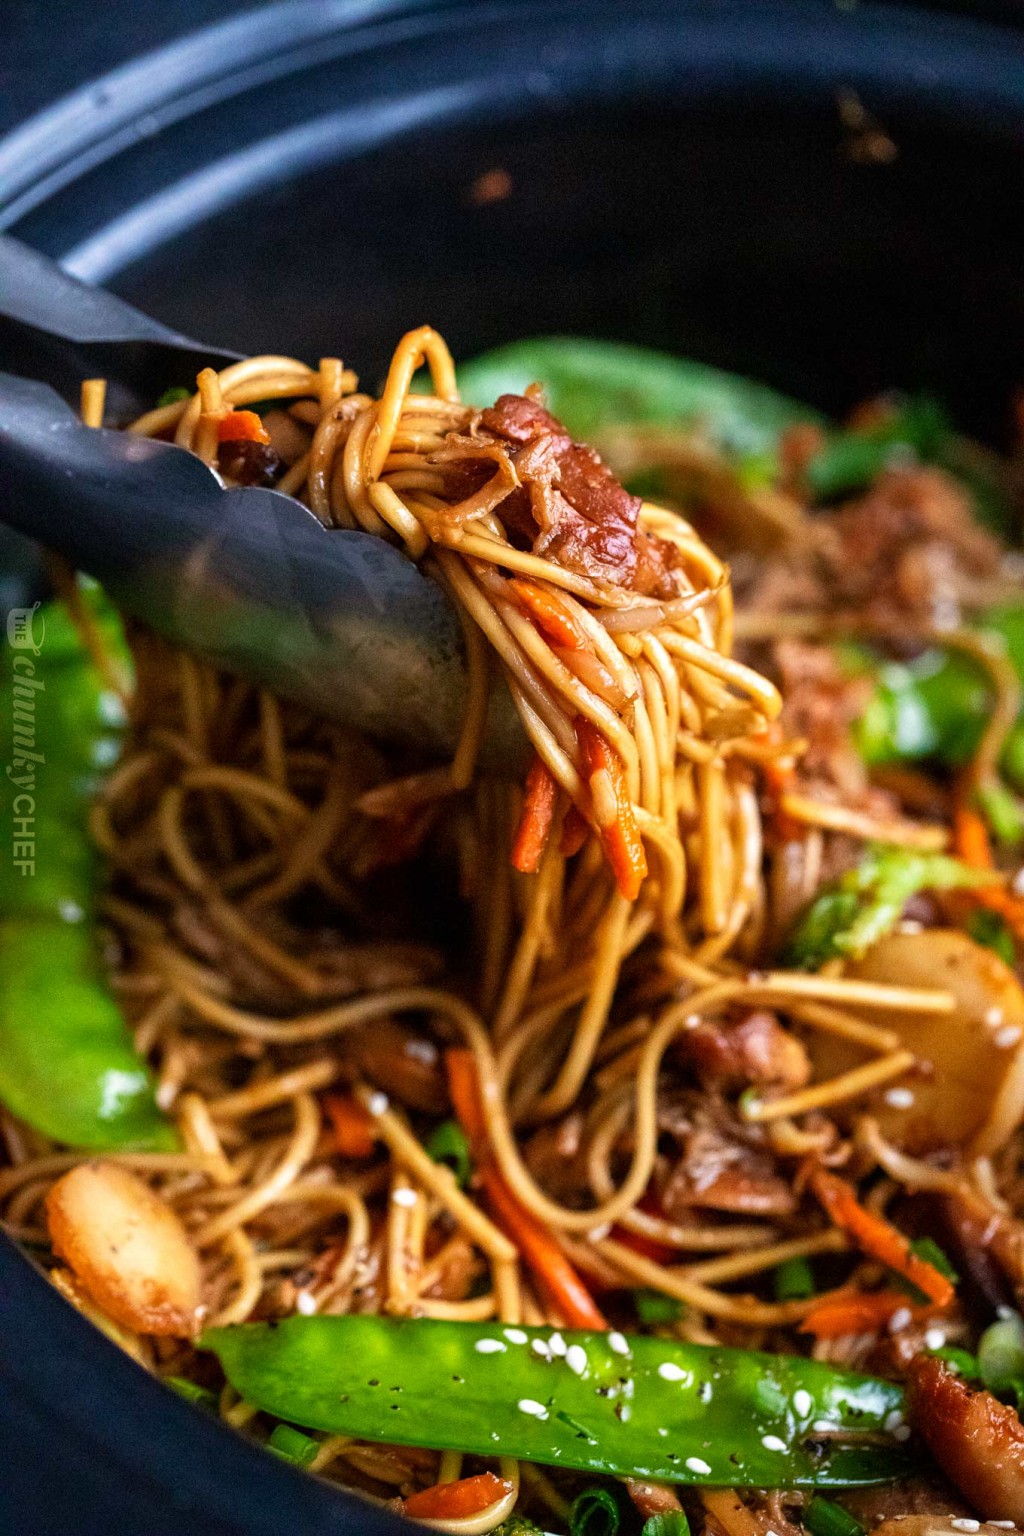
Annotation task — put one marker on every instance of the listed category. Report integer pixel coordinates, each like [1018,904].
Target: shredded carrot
[973,845]
[467,1101]
[242,426]
[539,1250]
[878,1237]
[552,1270]
[574,833]
[613,810]
[552,614]
[970,837]
[535,823]
[351,1124]
[457,1501]
[858,1312]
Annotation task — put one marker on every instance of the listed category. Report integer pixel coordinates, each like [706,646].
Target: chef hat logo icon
[20,632]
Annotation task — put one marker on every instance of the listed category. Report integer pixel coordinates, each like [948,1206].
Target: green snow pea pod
[67,1065]
[598,1402]
[591,385]
[935,708]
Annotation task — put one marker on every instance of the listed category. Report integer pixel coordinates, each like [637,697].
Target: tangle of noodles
[270,872]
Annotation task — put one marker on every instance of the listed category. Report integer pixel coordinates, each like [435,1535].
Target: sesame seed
[557,1344]
[901,1432]
[993,1016]
[532,1407]
[892,1421]
[773,1443]
[669,1371]
[576,1359]
[1002,1525]
[1007,1036]
[305,1303]
[490,1347]
[934,1338]
[540,1348]
[901,1318]
[802,1402]
[406,1197]
[377,1103]
[422,1050]
[899,1098]
[515,1335]
[694,1464]
[1017,883]
[965,1524]
[617,1342]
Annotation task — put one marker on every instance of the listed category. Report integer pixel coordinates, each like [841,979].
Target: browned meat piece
[984,1234]
[755,1050]
[976,1440]
[722,1166]
[404,1063]
[651,1498]
[909,543]
[894,1501]
[570,507]
[821,705]
[935,1525]
[552,1155]
[248,463]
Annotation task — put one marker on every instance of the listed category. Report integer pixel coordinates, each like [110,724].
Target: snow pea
[591,385]
[67,1064]
[598,1402]
[935,708]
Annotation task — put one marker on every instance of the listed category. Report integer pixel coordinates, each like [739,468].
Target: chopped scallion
[653,1307]
[594,1512]
[823,1518]
[671,1523]
[191,1391]
[173,395]
[448,1144]
[292,1445]
[794,1280]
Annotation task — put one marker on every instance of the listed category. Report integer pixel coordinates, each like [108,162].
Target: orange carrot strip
[878,1237]
[535,823]
[574,833]
[970,837]
[242,426]
[467,1101]
[553,1271]
[855,1313]
[972,843]
[555,1275]
[457,1501]
[351,1124]
[613,811]
[551,614]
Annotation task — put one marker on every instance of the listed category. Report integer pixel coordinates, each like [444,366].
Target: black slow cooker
[827,196]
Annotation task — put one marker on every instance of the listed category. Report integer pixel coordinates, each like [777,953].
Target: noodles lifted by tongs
[611,618]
